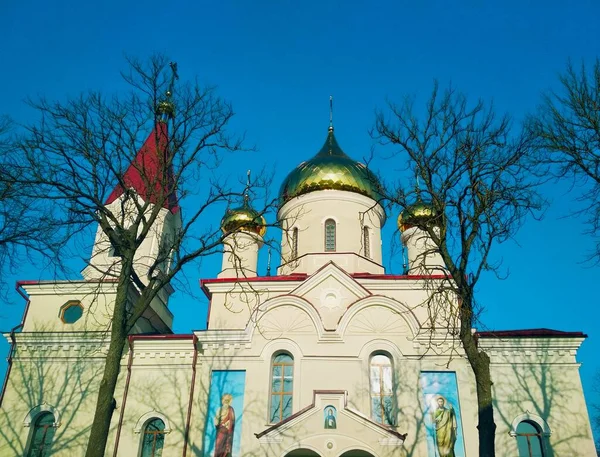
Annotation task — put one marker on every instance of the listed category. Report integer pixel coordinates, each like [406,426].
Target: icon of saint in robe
[444,420]
[330,421]
[225,424]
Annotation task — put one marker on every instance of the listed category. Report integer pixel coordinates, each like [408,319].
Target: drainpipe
[13,342]
[124,401]
[189,412]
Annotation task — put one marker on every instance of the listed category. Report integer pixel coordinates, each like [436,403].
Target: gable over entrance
[331,290]
[329,427]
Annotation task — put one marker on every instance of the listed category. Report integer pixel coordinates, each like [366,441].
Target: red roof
[531,333]
[147,174]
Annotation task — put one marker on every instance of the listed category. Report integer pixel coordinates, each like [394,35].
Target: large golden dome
[331,168]
[244,219]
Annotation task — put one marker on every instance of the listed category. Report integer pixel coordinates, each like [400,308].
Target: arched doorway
[357,453]
[302,453]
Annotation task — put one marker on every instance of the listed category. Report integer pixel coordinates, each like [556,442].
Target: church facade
[330,356]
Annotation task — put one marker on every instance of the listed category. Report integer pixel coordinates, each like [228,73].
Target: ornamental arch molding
[145,418]
[274,347]
[380,346]
[297,448]
[531,417]
[261,315]
[403,311]
[357,451]
[34,413]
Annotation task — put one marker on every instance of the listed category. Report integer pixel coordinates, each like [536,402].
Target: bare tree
[473,173]
[81,149]
[27,226]
[567,126]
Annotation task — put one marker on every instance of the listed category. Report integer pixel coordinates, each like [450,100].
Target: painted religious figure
[223,433]
[225,424]
[330,417]
[442,414]
[444,419]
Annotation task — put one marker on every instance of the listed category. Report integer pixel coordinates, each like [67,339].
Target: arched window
[329,235]
[282,380]
[153,438]
[41,437]
[367,242]
[382,390]
[295,243]
[529,439]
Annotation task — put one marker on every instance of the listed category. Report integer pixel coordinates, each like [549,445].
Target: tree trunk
[486,425]
[480,364]
[118,335]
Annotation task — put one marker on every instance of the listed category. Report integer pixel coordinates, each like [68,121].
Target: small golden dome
[244,219]
[419,213]
[331,168]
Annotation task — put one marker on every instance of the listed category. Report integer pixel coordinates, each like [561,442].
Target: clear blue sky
[278,62]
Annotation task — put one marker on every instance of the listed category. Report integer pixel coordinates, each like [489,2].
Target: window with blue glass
[71,312]
[153,438]
[529,440]
[282,384]
[329,235]
[295,243]
[367,242]
[382,390]
[42,435]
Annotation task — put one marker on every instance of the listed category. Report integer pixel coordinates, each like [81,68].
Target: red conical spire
[147,174]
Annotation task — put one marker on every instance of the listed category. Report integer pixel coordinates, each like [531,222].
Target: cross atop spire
[166,107]
[331,113]
[247,190]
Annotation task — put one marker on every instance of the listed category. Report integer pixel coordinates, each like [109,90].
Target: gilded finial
[247,189]
[417,188]
[331,113]
[166,107]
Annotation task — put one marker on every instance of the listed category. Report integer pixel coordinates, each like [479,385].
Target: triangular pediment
[330,414]
[331,290]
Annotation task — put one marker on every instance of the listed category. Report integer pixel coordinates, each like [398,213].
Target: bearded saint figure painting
[225,414]
[442,414]
[225,424]
[444,419]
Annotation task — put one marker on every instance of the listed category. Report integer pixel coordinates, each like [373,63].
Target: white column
[240,255]
[423,254]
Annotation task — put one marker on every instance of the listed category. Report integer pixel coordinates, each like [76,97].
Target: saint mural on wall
[330,417]
[442,414]
[225,425]
[444,419]
[225,406]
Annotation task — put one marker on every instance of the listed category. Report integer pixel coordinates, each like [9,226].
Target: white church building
[329,356]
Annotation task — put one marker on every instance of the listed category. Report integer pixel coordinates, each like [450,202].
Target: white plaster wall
[61,374]
[160,382]
[47,299]
[540,377]
[536,375]
[240,255]
[423,255]
[352,212]
[233,304]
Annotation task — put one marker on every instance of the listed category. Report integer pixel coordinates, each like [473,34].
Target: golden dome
[243,219]
[419,213]
[331,168]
